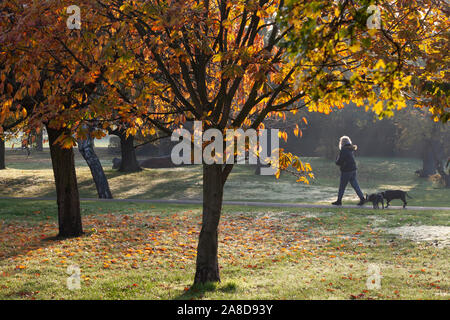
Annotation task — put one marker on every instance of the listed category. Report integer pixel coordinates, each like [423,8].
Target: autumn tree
[45,81]
[58,77]
[232,64]
[22,108]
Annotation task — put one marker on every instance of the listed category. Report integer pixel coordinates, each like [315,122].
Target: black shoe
[361,202]
[337,203]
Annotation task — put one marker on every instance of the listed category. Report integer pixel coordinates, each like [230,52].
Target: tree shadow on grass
[60,238]
[12,186]
[159,184]
[197,291]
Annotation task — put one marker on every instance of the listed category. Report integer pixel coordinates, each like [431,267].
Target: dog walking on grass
[376,199]
[390,195]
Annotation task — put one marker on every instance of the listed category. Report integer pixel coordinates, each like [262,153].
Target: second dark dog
[375,198]
[390,195]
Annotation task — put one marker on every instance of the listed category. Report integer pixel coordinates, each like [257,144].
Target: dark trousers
[347,177]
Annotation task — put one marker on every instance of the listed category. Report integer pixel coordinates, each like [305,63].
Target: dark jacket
[346,160]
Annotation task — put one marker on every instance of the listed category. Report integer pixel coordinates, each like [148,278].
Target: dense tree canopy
[404,57]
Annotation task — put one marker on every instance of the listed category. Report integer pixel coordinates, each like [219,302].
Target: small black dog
[375,198]
[390,195]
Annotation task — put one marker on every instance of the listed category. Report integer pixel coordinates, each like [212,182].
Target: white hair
[343,141]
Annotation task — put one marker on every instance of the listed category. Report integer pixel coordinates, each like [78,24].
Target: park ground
[137,250]
[33,177]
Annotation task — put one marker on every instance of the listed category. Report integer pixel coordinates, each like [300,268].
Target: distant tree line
[411,133]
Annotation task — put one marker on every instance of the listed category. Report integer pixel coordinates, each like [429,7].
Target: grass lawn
[142,251]
[33,177]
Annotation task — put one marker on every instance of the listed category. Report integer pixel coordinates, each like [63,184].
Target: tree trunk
[428,161]
[40,141]
[432,152]
[447,180]
[207,260]
[129,160]
[86,149]
[68,199]
[445,176]
[2,154]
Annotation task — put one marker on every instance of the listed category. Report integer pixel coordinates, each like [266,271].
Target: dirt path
[234,203]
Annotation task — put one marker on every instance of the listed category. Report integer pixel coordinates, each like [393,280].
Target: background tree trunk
[40,141]
[444,175]
[129,160]
[428,161]
[207,269]
[69,217]
[86,149]
[446,180]
[2,154]
[433,151]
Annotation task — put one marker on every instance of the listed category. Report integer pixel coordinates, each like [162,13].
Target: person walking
[347,164]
